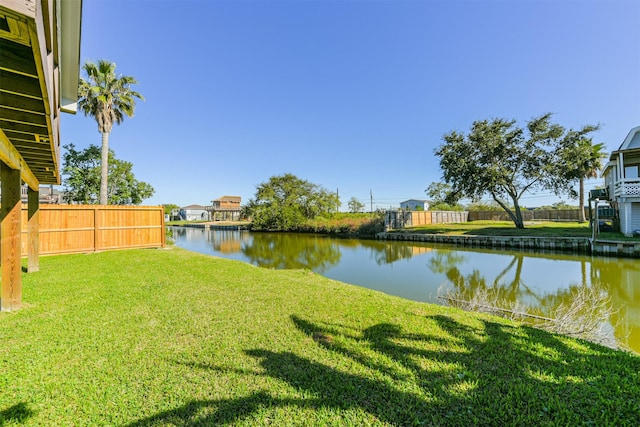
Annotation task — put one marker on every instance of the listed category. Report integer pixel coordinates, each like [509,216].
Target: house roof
[415,200]
[227,198]
[193,207]
[630,145]
[630,140]
[39,73]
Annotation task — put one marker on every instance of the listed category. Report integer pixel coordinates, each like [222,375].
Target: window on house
[631,171]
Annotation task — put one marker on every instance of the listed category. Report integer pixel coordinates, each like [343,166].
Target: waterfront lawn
[507,228]
[170,337]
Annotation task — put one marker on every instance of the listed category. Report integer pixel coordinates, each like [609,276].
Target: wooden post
[96,226]
[33,230]
[10,230]
[163,232]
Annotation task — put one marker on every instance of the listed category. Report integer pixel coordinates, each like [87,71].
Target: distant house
[193,213]
[47,195]
[227,203]
[415,205]
[226,208]
[622,182]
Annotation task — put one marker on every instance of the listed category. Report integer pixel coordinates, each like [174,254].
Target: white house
[415,205]
[622,182]
[193,213]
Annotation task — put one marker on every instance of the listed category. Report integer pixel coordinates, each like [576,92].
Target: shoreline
[613,248]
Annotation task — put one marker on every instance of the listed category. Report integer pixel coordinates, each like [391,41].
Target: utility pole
[371,195]
[337,200]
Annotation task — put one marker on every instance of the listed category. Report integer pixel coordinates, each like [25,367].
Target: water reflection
[284,251]
[383,253]
[418,271]
[581,310]
[507,285]
[268,250]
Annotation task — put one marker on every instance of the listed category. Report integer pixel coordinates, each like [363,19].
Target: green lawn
[506,228]
[169,337]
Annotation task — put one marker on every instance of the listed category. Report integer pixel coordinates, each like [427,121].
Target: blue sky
[350,95]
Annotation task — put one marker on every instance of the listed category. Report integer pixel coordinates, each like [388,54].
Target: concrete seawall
[213,226]
[616,248]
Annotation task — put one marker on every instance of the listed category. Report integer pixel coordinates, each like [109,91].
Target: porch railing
[628,187]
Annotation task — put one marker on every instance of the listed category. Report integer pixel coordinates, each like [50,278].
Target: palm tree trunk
[104,168]
[581,217]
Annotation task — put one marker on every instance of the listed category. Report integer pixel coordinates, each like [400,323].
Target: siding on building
[635,141]
[193,213]
[635,217]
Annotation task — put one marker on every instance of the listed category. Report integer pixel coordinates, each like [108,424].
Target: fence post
[33,230]
[95,228]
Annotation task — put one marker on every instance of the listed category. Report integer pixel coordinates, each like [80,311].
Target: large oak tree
[81,178]
[286,202]
[505,161]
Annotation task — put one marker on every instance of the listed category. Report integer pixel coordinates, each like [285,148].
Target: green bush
[361,224]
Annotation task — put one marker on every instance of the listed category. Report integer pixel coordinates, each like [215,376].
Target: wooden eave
[30,87]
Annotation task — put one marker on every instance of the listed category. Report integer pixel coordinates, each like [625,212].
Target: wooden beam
[20,84]
[41,131]
[33,230]
[10,233]
[18,102]
[17,57]
[12,158]
[21,116]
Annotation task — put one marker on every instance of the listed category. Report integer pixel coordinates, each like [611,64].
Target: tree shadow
[16,413]
[499,372]
[457,374]
[214,411]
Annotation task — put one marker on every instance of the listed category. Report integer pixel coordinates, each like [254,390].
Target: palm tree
[107,98]
[589,162]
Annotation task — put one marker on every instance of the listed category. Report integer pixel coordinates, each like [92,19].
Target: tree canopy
[580,159]
[286,201]
[442,197]
[81,178]
[355,205]
[501,159]
[168,207]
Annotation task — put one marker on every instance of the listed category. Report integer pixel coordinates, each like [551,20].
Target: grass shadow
[448,374]
[214,412]
[496,374]
[18,413]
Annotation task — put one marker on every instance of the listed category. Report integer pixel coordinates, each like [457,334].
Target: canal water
[538,282]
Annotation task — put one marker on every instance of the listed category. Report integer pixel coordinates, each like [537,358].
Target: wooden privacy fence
[527,215]
[403,218]
[90,228]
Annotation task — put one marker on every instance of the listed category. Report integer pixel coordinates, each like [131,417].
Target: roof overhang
[70,18]
[628,139]
[627,152]
[39,72]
